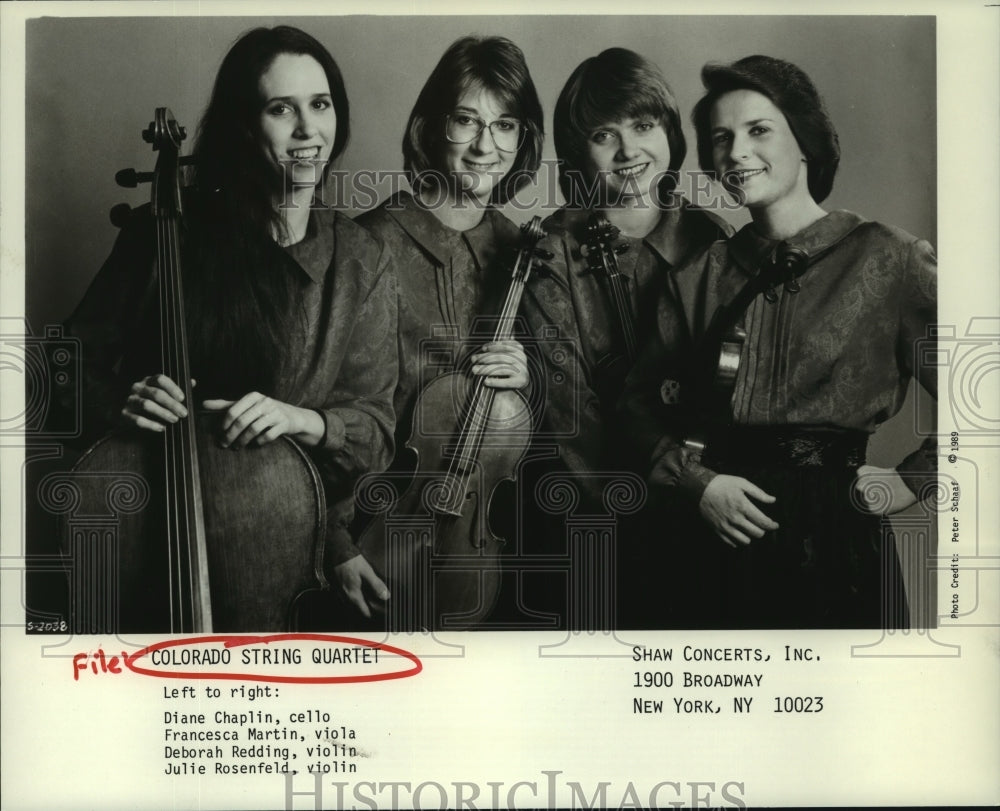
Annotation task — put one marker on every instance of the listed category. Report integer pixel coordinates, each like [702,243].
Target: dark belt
[790,447]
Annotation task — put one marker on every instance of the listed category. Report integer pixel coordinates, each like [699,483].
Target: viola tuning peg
[147,134]
[120,215]
[183,132]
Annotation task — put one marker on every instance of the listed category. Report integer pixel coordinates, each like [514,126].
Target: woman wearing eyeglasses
[473,139]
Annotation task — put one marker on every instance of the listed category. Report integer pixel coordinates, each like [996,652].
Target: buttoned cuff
[334,433]
[679,468]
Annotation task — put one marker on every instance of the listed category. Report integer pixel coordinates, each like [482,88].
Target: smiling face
[298,124]
[627,158]
[478,166]
[755,152]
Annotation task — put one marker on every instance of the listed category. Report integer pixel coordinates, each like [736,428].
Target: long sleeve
[358,408]
[917,312]
[650,411]
[572,408]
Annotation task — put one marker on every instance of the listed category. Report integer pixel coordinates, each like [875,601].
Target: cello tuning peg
[130,178]
[183,132]
[120,215]
[543,254]
[771,295]
[792,286]
[623,248]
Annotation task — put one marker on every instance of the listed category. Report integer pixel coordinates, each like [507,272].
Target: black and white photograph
[543,408]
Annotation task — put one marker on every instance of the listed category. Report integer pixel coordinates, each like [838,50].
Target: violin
[434,547]
[602,250]
[717,361]
[229,541]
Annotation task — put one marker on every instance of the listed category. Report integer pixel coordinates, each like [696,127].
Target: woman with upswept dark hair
[775,495]
[473,139]
[290,307]
[620,144]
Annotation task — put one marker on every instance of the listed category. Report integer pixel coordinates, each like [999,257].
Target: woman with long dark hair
[474,137]
[290,307]
[778,526]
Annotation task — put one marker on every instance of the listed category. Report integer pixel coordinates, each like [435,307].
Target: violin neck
[619,296]
[508,312]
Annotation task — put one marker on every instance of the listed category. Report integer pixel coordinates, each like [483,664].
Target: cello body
[265,521]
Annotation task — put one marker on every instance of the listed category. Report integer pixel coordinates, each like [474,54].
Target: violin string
[473,431]
[620,298]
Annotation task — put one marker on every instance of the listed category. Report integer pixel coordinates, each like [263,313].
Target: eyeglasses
[461,128]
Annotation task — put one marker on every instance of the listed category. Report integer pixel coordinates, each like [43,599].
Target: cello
[228,541]
[434,547]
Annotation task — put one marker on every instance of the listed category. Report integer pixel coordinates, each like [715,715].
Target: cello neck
[190,597]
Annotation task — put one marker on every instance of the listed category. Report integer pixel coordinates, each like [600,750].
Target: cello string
[166,341]
[184,447]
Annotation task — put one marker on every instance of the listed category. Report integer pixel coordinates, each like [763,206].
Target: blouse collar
[442,242]
[314,252]
[671,238]
[749,248]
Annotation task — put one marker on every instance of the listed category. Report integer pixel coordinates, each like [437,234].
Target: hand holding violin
[502,365]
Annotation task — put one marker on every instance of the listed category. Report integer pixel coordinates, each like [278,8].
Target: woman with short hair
[474,137]
[780,533]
